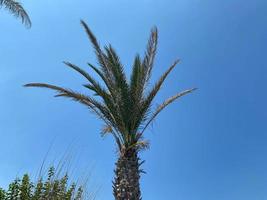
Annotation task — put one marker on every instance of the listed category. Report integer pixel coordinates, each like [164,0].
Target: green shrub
[51,187]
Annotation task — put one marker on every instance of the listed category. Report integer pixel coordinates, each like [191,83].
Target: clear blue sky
[210,145]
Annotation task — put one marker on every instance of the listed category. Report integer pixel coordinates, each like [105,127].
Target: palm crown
[124,105]
[16,8]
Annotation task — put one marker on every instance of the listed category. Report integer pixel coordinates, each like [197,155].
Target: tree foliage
[49,188]
[125,106]
[17,10]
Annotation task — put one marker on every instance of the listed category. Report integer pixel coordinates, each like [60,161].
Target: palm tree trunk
[127,174]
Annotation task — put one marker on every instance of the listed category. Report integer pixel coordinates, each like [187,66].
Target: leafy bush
[50,188]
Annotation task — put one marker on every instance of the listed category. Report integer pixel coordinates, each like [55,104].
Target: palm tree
[17,10]
[125,106]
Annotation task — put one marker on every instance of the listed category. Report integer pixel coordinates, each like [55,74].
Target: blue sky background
[208,145]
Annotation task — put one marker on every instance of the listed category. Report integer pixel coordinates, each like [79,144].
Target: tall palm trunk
[127,174]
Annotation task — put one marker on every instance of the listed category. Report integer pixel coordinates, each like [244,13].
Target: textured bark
[127,174]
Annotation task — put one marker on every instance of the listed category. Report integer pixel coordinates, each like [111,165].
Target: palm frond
[136,90]
[158,84]
[17,10]
[165,104]
[102,76]
[96,87]
[115,66]
[98,51]
[117,71]
[136,84]
[122,87]
[150,54]
[147,102]
[141,71]
[62,92]
[96,107]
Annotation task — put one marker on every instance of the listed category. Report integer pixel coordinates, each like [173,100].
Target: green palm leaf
[164,105]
